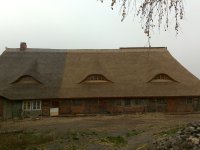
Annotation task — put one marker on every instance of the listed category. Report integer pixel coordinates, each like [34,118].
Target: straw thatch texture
[61,71]
[43,66]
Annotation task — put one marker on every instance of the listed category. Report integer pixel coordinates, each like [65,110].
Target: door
[172,105]
[17,109]
[54,110]
[103,106]
[196,105]
[7,109]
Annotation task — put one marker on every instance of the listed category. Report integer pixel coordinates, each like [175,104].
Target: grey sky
[72,24]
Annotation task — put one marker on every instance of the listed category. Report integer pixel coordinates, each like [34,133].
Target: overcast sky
[72,24]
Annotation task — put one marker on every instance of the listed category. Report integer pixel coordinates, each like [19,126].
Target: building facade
[52,82]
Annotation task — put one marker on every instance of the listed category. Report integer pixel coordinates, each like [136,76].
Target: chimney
[23,46]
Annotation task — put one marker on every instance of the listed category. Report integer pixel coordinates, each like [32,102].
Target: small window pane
[34,105]
[38,105]
[96,77]
[118,102]
[161,101]
[26,105]
[189,101]
[77,102]
[127,102]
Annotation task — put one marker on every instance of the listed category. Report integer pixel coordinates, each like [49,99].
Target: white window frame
[26,105]
[34,105]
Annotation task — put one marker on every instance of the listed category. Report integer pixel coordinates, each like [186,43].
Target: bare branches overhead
[153,13]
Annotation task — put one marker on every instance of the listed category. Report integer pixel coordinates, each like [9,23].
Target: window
[127,102]
[26,79]
[162,78]
[32,105]
[27,105]
[189,101]
[95,78]
[77,102]
[92,101]
[138,101]
[161,101]
[118,102]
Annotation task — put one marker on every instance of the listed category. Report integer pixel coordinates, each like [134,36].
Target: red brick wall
[78,109]
[95,107]
[172,105]
[118,109]
[1,106]
[91,108]
[179,105]
[108,106]
[87,107]
[134,109]
[46,107]
[64,107]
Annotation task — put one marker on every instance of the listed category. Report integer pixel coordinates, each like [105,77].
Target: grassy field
[122,132]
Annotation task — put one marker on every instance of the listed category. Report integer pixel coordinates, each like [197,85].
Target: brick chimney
[23,46]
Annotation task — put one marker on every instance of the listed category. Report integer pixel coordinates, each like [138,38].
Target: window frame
[95,78]
[118,102]
[162,77]
[32,105]
[127,102]
[161,101]
[189,101]
[77,102]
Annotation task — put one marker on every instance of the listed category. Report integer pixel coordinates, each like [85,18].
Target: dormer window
[95,78]
[162,78]
[26,79]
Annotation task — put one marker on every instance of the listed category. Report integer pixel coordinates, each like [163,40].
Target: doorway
[54,110]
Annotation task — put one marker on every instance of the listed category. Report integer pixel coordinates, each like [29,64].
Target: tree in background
[152,13]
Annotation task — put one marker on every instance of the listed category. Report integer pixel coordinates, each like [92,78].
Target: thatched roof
[59,73]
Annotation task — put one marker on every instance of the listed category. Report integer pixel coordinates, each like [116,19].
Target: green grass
[133,133]
[169,132]
[77,138]
[72,140]
[24,141]
[116,141]
[79,135]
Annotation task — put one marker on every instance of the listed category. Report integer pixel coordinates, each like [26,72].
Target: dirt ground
[100,132]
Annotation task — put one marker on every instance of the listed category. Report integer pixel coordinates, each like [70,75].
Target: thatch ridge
[121,49]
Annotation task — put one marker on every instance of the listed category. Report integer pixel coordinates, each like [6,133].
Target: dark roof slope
[61,71]
[46,67]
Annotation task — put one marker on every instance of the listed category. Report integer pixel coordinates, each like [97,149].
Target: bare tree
[153,13]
